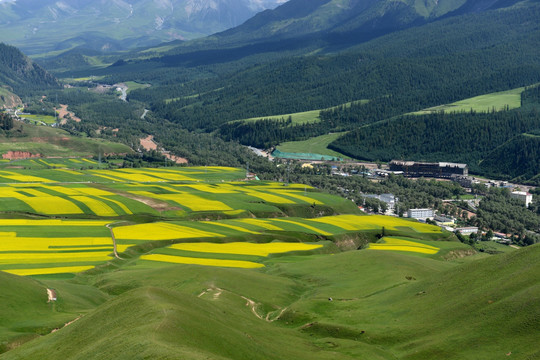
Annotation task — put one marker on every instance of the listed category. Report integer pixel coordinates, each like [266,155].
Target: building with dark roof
[424,169]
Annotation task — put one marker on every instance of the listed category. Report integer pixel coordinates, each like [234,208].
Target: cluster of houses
[426,214]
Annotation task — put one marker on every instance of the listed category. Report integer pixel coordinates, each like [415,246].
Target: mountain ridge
[18,73]
[37,26]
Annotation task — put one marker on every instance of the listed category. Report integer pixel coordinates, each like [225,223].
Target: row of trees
[6,121]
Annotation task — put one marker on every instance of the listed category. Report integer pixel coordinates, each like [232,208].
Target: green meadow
[132,85]
[504,100]
[49,141]
[315,145]
[304,117]
[38,119]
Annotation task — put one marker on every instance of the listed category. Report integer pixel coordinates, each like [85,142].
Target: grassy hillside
[8,99]
[417,308]
[26,313]
[296,284]
[503,100]
[49,141]
[316,145]
[304,117]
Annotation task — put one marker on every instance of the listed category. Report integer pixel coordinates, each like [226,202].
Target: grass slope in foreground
[385,305]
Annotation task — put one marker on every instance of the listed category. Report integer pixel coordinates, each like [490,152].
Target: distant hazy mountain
[44,25]
[352,21]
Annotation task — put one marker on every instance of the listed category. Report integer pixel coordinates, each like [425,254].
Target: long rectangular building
[425,169]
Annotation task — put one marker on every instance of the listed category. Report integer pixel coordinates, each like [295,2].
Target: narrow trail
[144,113]
[115,251]
[66,324]
[270,317]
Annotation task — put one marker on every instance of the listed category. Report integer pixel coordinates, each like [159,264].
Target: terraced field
[163,250]
[166,199]
[36,247]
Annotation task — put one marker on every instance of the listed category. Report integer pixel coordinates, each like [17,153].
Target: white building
[523,196]
[467,230]
[389,199]
[420,213]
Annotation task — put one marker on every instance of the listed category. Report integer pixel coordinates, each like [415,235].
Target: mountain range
[40,26]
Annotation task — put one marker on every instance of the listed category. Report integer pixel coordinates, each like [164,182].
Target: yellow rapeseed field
[396,244]
[193,202]
[135,177]
[14,243]
[40,258]
[169,174]
[298,195]
[121,205]
[52,222]
[267,197]
[356,222]
[64,190]
[245,248]
[391,240]
[72,172]
[229,226]
[52,205]
[261,223]
[97,207]
[213,189]
[93,191]
[159,231]
[23,178]
[309,227]
[108,177]
[51,270]
[200,261]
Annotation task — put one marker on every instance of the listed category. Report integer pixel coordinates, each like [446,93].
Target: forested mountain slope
[418,308]
[20,74]
[501,53]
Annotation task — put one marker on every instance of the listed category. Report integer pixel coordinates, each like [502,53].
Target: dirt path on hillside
[155,204]
[272,316]
[66,324]
[63,113]
[115,252]
[148,143]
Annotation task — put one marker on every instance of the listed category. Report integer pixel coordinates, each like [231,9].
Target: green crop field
[51,163]
[38,119]
[510,99]
[316,145]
